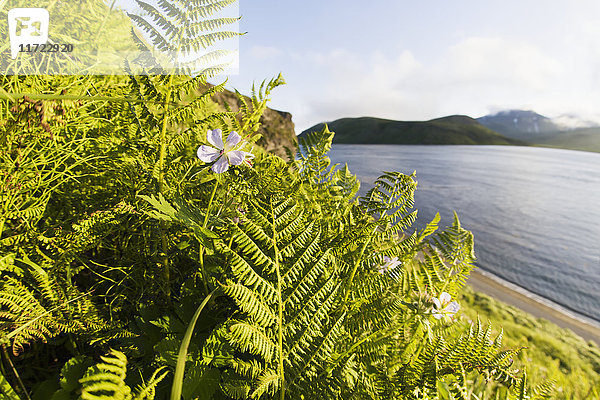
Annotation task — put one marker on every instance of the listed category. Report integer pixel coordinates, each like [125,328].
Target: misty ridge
[510,127]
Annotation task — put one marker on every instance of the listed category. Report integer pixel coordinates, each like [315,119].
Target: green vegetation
[550,353]
[130,269]
[455,129]
[276,127]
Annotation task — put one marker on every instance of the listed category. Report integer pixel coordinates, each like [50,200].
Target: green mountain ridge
[454,129]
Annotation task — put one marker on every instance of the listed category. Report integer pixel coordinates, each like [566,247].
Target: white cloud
[473,76]
[264,52]
[353,84]
[492,60]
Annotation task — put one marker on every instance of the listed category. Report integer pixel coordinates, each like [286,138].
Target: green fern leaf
[252,339]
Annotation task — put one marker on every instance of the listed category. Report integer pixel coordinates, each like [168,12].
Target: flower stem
[201,248]
[177,386]
[280,323]
[212,197]
[164,259]
[22,387]
[161,175]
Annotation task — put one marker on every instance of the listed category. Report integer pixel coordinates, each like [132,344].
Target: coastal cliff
[277,128]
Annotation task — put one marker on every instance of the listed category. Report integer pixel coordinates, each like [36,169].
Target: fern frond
[252,339]
[390,202]
[244,272]
[308,317]
[346,184]
[250,303]
[544,391]
[23,316]
[107,380]
[320,352]
[147,391]
[182,28]
[251,369]
[236,388]
[313,162]
[268,383]
[187,112]
[455,244]
[298,281]
[29,314]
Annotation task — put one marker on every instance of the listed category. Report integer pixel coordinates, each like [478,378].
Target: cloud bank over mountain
[410,61]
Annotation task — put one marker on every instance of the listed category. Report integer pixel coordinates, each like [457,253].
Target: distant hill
[586,139]
[566,131]
[521,125]
[455,129]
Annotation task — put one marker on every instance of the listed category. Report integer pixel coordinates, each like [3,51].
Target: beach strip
[484,284]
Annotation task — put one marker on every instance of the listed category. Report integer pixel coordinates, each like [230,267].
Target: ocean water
[535,212]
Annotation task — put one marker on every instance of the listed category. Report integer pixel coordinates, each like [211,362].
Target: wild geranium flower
[248,157]
[241,213]
[224,153]
[445,307]
[389,264]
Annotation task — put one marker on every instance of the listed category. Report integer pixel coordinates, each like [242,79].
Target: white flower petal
[438,305]
[207,153]
[215,137]
[437,316]
[235,157]
[232,140]
[220,166]
[453,307]
[445,298]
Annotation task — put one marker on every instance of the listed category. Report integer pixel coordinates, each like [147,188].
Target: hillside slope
[277,128]
[456,129]
[585,139]
[565,132]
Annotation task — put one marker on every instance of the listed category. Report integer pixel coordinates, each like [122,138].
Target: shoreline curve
[487,283]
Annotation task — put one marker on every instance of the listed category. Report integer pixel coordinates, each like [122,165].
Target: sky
[418,60]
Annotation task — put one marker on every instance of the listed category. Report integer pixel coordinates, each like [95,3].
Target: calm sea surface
[535,212]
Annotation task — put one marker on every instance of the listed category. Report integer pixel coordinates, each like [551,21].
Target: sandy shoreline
[487,285]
